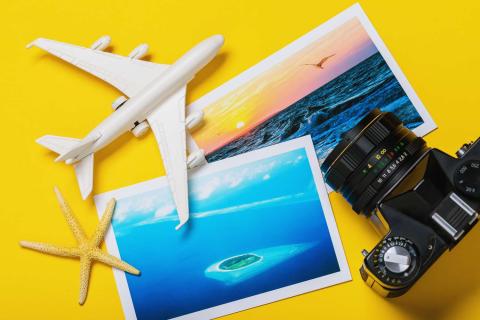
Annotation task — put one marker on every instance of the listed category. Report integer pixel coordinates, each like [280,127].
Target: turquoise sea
[268,211]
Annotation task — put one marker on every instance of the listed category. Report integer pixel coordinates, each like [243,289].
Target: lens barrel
[371,158]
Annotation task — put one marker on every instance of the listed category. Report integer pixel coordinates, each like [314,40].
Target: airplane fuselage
[139,107]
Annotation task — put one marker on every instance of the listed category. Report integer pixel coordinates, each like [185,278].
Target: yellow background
[436,44]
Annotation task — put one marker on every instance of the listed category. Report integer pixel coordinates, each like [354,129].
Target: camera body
[422,200]
[425,221]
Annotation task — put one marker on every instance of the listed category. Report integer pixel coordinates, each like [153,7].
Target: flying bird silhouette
[321,63]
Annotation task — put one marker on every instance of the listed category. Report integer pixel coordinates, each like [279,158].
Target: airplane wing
[168,125]
[126,74]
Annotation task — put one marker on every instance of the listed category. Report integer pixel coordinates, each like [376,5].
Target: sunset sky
[244,108]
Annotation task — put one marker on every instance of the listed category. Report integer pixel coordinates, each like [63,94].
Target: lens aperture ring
[404,159]
[378,159]
[358,144]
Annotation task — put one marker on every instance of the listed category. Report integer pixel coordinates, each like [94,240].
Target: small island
[239,262]
[240,267]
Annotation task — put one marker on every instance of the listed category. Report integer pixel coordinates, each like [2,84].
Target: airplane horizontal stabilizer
[58,144]
[84,172]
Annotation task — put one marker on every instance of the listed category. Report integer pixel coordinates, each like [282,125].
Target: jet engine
[194,119]
[101,44]
[196,159]
[117,103]
[140,129]
[139,52]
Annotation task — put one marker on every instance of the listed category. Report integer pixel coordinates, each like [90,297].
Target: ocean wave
[330,110]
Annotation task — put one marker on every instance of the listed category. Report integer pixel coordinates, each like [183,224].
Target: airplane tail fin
[84,173]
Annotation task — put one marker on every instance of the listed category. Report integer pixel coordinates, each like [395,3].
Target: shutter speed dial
[395,261]
[467,178]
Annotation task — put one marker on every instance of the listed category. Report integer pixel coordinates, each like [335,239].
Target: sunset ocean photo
[322,90]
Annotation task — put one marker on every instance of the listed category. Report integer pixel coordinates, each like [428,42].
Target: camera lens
[371,158]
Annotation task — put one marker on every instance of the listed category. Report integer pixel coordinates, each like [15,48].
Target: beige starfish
[88,249]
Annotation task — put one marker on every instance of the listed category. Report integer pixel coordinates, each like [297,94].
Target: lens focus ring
[370,158]
[357,144]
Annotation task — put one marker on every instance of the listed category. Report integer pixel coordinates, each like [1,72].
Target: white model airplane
[156,99]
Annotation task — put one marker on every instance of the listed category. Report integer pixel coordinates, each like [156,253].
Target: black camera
[422,200]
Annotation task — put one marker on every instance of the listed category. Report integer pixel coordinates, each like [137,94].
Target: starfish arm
[71,220]
[112,261]
[103,224]
[85,267]
[51,249]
